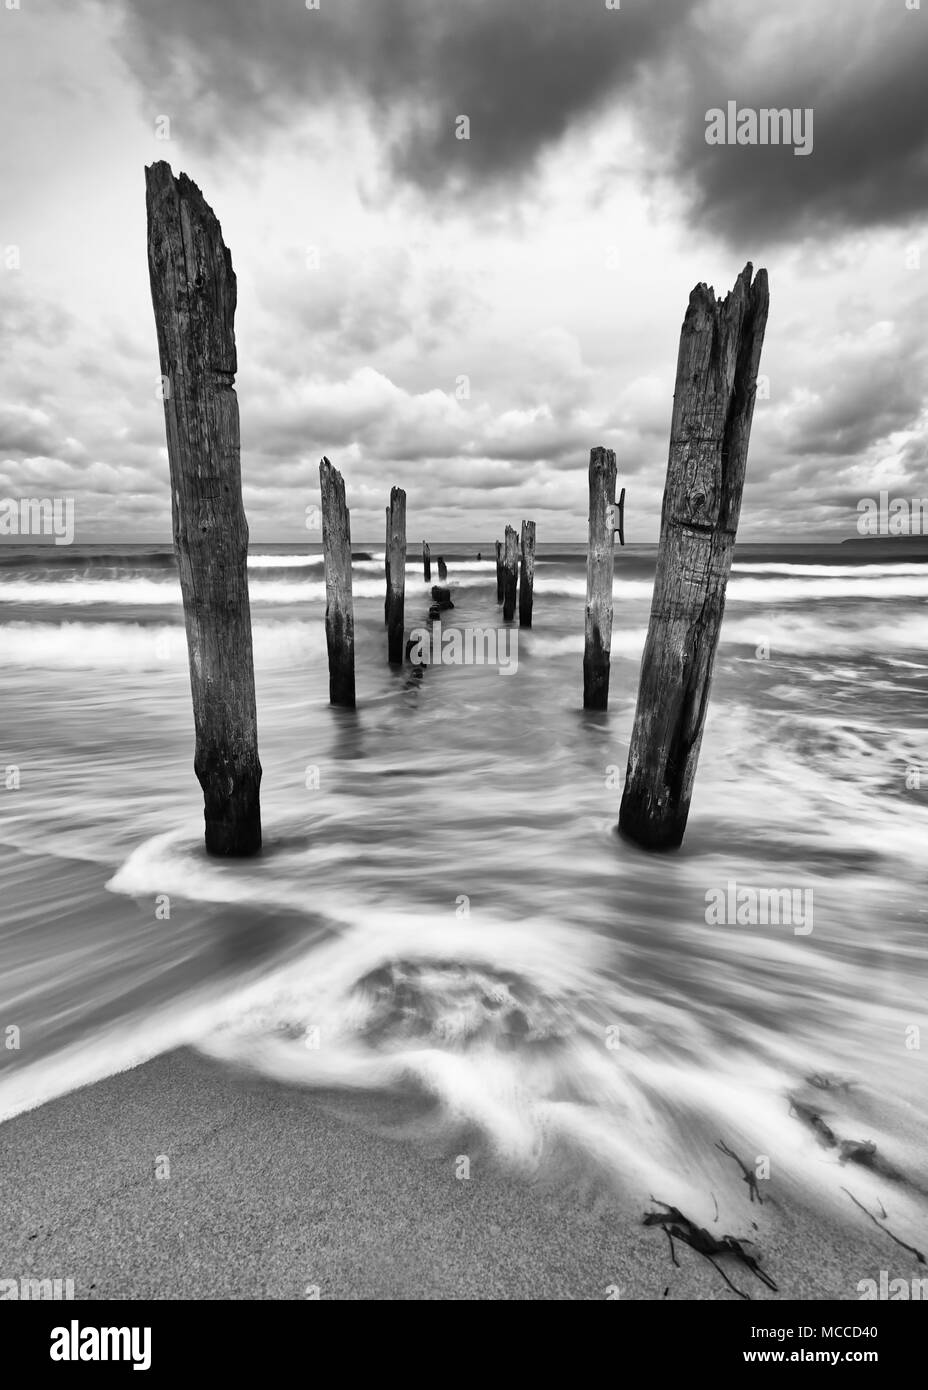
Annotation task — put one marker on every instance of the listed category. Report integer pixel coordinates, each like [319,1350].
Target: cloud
[873,388]
[28,431]
[863,79]
[28,321]
[232,72]
[546,261]
[228,71]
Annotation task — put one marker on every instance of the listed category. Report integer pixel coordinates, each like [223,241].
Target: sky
[466,318]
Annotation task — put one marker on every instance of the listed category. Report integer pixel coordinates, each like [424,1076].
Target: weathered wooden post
[193,291]
[386,570]
[441,599]
[396,574]
[442,568]
[527,573]
[339,609]
[599,571]
[500,572]
[510,574]
[720,347]
[426,562]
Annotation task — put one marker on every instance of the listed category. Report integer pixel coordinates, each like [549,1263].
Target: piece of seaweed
[749,1176]
[862,1151]
[677,1226]
[885,1229]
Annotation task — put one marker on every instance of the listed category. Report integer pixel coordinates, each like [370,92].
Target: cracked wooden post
[193,292]
[386,569]
[499,572]
[600,560]
[527,573]
[396,574]
[720,347]
[426,562]
[339,607]
[510,574]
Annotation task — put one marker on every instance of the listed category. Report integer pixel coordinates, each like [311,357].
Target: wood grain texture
[600,561]
[396,575]
[339,605]
[193,293]
[510,574]
[720,348]
[386,568]
[526,573]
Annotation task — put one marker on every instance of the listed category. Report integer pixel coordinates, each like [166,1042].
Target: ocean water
[444,905]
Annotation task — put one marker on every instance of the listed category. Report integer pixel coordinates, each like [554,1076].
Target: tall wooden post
[527,574]
[396,574]
[600,558]
[386,568]
[339,609]
[510,574]
[720,347]
[193,292]
[442,568]
[500,572]
[426,562]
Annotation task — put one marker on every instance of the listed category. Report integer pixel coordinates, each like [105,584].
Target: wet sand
[277,1192]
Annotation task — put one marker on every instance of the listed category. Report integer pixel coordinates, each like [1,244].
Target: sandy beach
[246,1080]
[276,1193]
[463,670]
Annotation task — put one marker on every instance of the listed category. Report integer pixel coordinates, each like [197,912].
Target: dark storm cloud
[861,69]
[229,71]
[225,70]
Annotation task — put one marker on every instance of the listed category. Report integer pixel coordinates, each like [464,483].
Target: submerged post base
[232,814]
[651,831]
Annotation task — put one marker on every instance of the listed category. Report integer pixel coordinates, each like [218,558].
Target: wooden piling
[527,573]
[720,348]
[500,572]
[386,569]
[339,609]
[510,574]
[442,568]
[193,290]
[599,571]
[426,562]
[396,574]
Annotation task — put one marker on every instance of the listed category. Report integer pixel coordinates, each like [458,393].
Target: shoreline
[270,1191]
